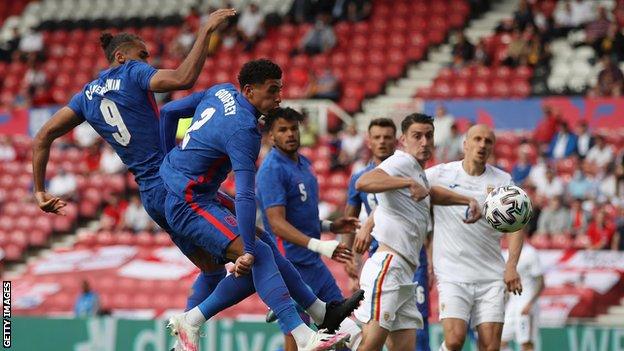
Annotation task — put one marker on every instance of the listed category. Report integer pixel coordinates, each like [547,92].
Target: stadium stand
[373,59]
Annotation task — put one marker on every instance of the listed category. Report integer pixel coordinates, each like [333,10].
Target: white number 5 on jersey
[205,117]
[303,192]
[112,117]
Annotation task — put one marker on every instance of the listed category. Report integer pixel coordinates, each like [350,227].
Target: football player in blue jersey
[288,196]
[120,106]
[382,143]
[224,137]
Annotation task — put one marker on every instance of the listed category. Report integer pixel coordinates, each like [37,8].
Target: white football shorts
[389,293]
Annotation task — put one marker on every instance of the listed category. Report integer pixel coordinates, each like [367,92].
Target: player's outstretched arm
[512,278]
[444,197]
[378,181]
[61,122]
[186,74]
[171,113]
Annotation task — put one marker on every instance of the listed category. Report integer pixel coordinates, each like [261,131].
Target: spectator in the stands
[85,136]
[582,12]
[551,186]
[442,124]
[183,42]
[600,230]
[612,44]
[113,213]
[564,143]
[518,48]
[578,217]
[87,303]
[92,157]
[538,171]
[585,140]
[323,85]
[63,184]
[110,162]
[301,11]
[547,126]
[31,44]
[618,238]
[8,49]
[251,25]
[336,155]
[135,218]
[308,130]
[524,15]
[522,167]
[319,38]
[193,19]
[481,55]
[581,186]
[35,75]
[555,218]
[610,79]
[601,154]
[351,142]
[608,186]
[463,50]
[598,28]
[7,151]
[564,19]
[450,148]
[351,10]
[42,96]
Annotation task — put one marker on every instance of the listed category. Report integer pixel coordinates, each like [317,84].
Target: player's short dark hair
[110,43]
[287,113]
[415,118]
[382,122]
[258,71]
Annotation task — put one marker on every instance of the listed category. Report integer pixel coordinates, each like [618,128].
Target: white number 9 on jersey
[112,117]
[205,116]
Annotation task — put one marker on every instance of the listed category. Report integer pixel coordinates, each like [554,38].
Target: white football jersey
[466,253]
[530,269]
[400,221]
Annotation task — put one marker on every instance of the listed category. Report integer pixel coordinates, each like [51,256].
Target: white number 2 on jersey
[112,117]
[205,116]
[303,192]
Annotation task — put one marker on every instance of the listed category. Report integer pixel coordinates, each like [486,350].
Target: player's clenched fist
[417,191]
[474,212]
[49,203]
[218,17]
[243,264]
[512,280]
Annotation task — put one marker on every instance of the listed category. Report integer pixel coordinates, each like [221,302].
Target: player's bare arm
[445,197]
[282,228]
[378,181]
[352,267]
[512,278]
[61,122]
[185,76]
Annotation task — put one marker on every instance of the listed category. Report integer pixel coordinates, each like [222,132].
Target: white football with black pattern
[508,208]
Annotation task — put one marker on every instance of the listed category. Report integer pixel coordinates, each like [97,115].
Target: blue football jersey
[283,182]
[357,198]
[122,109]
[223,137]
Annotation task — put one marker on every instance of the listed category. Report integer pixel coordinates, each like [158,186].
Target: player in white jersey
[467,260]
[400,226]
[521,311]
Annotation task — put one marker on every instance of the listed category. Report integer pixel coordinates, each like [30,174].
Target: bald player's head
[478,144]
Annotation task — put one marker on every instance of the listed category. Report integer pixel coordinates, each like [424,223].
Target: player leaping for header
[223,137]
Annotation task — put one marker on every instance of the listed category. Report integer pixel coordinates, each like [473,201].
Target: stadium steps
[399,94]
